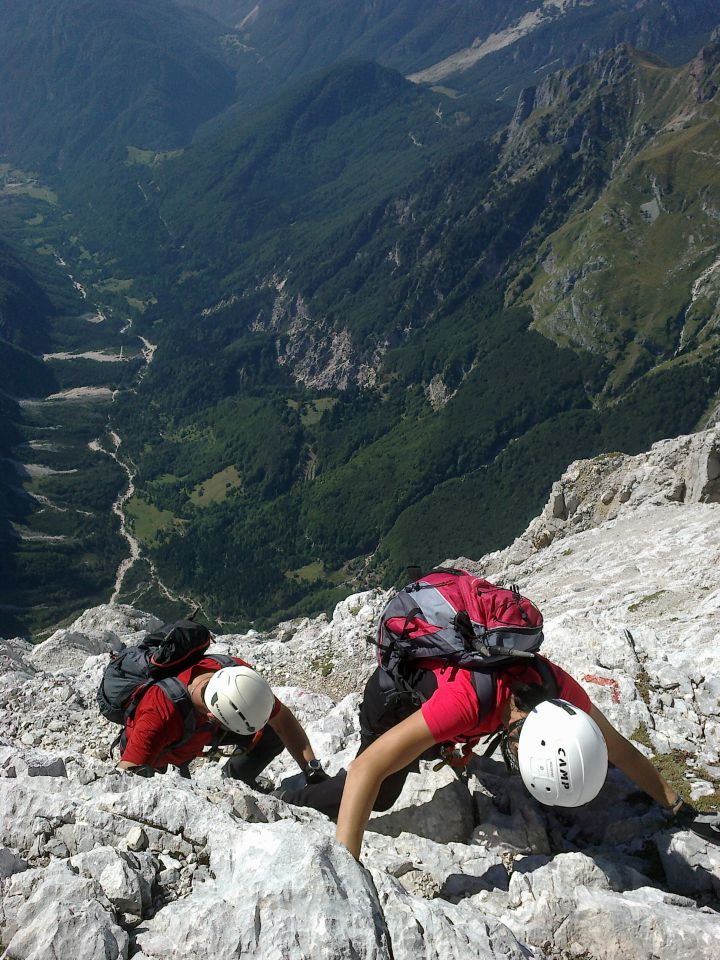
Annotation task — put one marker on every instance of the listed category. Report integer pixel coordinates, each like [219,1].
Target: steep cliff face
[634,275]
[623,563]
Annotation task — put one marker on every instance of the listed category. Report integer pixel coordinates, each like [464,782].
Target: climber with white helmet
[542,719]
[458,661]
[560,747]
[228,705]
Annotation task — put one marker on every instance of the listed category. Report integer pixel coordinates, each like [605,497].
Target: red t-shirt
[158,723]
[451,712]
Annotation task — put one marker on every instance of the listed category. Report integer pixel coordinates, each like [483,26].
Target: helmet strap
[509,737]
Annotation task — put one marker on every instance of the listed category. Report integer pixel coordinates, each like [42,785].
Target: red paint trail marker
[605,682]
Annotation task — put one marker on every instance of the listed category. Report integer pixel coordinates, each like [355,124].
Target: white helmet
[562,754]
[239,698]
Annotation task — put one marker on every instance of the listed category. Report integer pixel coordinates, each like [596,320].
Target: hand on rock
[141,771]
[704,825]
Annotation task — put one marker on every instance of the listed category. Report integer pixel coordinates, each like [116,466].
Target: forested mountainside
[85,79]
[24,307]
[366,374]
[58,537]
[359,326]
[24,316]
[497,46]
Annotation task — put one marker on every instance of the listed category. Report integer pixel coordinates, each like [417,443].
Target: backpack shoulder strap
[177,694]
[223,659]
[484,683]
[548,678]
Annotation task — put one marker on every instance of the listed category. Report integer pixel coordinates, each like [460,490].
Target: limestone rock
[54,913]
[422,929]
[633,924]
[67,649]
[125,879]
[691,865]
[432,804]
[10,864]
[572,901]
[253,906]
[136,839]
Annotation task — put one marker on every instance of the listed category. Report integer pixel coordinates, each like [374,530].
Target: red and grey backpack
[465,622]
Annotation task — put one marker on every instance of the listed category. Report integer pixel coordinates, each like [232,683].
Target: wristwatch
[314,771]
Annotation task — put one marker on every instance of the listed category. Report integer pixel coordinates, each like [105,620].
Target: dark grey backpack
[156,660]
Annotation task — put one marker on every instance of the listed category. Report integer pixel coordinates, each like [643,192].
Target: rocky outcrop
[705,71]
[320,355]
[612,486]
[609,121]
[98,864]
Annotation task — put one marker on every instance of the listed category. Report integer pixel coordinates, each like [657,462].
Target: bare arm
[633,764]
[388,754]
[287,726]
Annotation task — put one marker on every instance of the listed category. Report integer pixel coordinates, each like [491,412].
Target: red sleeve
[156,724]
[452,710]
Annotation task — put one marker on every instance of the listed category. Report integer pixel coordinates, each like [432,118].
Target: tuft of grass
[643,600]
[642,736]
[673,767]
[644,685]
[323,665]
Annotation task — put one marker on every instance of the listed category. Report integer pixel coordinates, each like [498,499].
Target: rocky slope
[623,560]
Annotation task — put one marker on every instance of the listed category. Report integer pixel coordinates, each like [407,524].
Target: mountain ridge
[518,40]
[669,239]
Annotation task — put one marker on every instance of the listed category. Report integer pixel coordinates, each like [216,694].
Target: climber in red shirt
[232,705]
[395,737]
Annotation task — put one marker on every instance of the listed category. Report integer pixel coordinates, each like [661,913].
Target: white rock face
[623,562]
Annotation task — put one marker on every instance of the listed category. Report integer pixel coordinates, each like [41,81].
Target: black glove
[314,772]
[704,825]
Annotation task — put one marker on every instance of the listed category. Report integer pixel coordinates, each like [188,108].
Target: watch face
[313,765]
